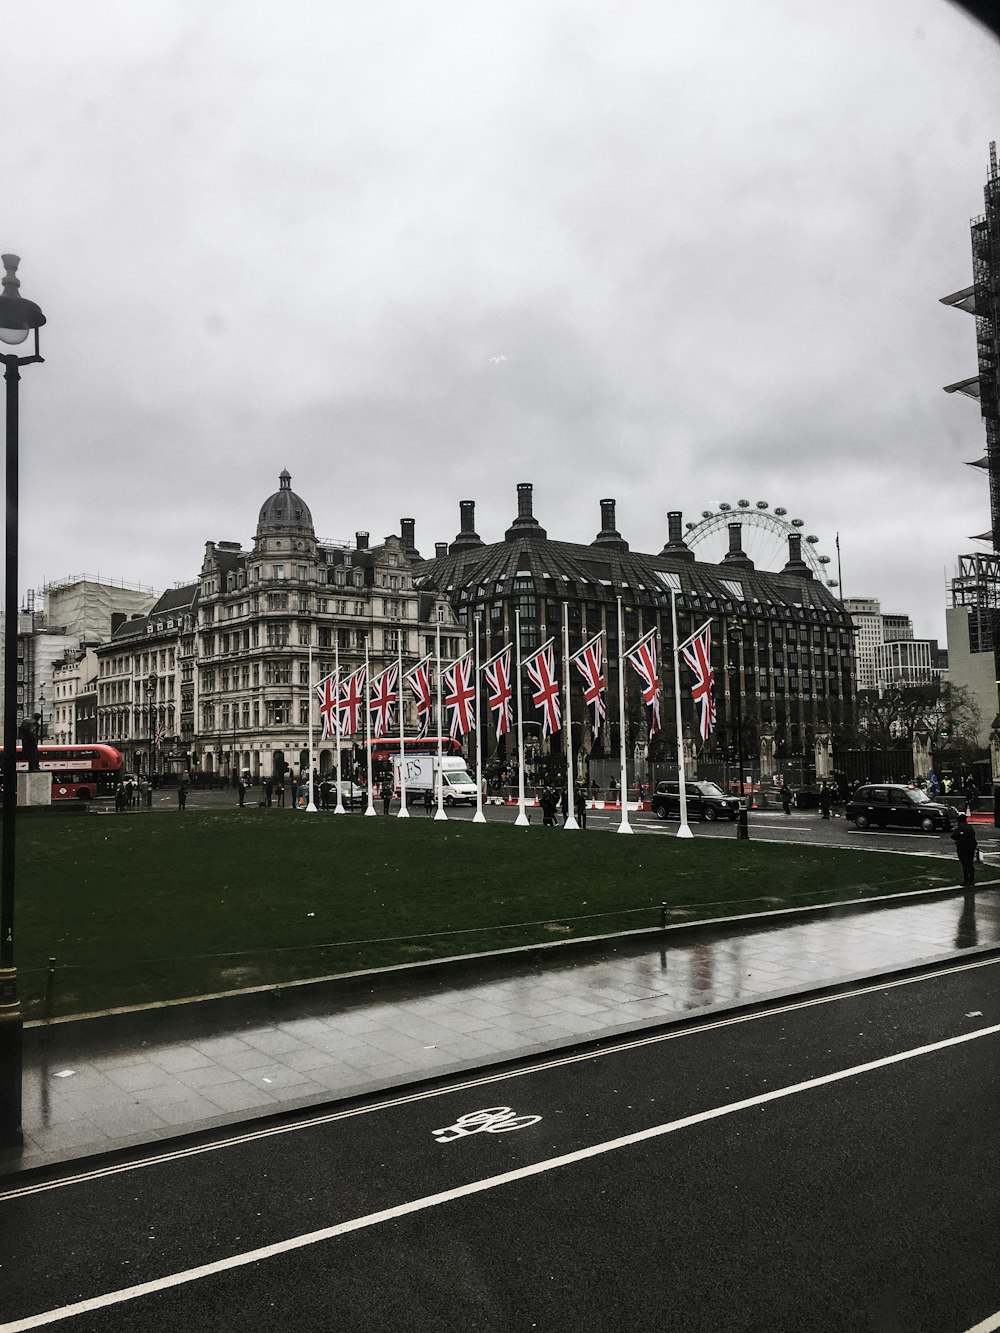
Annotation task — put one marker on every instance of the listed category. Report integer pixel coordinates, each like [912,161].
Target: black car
[884,803]
[704,801]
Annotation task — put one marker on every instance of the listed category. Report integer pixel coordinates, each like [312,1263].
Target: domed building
[245,696]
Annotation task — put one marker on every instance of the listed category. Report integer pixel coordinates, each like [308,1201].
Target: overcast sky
[420,252]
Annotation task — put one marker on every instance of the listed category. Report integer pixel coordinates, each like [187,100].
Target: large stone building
[794,673]
[220,667]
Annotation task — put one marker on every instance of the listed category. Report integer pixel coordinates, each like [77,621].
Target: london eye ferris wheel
[764,536]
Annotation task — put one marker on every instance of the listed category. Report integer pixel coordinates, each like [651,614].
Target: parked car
[351,794]
[704,801]
[881,804]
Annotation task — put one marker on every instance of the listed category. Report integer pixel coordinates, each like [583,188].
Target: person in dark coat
[564,804]
[241,787]
[971,794]
[964,838]
[581,807]
[825,800]
[786,798]
[268,791]
[182,791]
[549,804]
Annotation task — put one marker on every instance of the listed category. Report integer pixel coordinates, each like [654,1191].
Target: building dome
[284,509]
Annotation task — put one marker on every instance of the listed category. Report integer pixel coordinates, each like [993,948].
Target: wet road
[818,1165]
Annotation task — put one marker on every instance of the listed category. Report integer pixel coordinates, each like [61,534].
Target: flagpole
[339,807]
[478,817]
[624,826]
[403,811]
[570,820]
[522,816]
[370,807]
[311,805]
[440,764]
[685,829]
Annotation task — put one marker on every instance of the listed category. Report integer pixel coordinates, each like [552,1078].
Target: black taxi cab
[883,803]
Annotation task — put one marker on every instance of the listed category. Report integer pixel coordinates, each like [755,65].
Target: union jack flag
[351,702]
[459,696]
[419,681]
[160,733]
[643,658]
[589,661]
[698,656]
[501,694]
[542,674]
[382,704]
[327,691]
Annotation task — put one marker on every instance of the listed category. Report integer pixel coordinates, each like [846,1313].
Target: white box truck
[422,773]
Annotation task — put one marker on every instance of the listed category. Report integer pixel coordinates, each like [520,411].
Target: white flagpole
[370,808]
[685,829]
[311,805]
[478,817]
[522,817]
[624,826]
[339,808]
[403,811]
[440,814]
[570,820]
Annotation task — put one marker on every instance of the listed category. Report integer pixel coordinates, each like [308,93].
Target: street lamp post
[151,681]
[18,318]
[735,637]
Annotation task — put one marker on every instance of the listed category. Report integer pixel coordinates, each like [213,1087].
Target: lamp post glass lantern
[18,318]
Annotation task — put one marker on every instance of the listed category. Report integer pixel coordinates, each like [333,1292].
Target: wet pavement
[98,1085]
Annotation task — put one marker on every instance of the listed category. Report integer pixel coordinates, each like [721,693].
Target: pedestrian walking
[182,791]
[386,796]
[427,799]
[548,803]
[268,791]
[121,798]
[241,788]
[971,795]
[786,798]
[964,838]
[280,792]
[564,804]
[825,800]
[295,792]
[581,806]
[325,788]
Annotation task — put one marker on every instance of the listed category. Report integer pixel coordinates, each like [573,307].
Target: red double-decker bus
[79,772]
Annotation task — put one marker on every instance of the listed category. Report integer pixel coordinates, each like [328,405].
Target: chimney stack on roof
[676,545]
[467,536]
[736,555]
[362,540]
[609,534]
[796,565]
[525,525]
[407,534]
[440,550]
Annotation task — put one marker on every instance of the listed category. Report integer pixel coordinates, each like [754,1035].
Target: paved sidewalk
[90,1090]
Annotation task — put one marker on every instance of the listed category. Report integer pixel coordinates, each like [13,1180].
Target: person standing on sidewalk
[581,806]
[964,838]
[786,798]
[825,800]
[182,791]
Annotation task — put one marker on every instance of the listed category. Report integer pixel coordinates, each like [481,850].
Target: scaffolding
[976,588]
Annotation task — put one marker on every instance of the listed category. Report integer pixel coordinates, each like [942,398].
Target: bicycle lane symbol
[491,1120]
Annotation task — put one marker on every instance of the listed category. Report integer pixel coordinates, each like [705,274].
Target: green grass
[141,909]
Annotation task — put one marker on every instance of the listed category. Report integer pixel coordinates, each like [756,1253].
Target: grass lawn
[149,908]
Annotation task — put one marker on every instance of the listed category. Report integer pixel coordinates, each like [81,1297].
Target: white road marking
[987,1325]
[491,1120]
[407,1099]
[243,1260]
